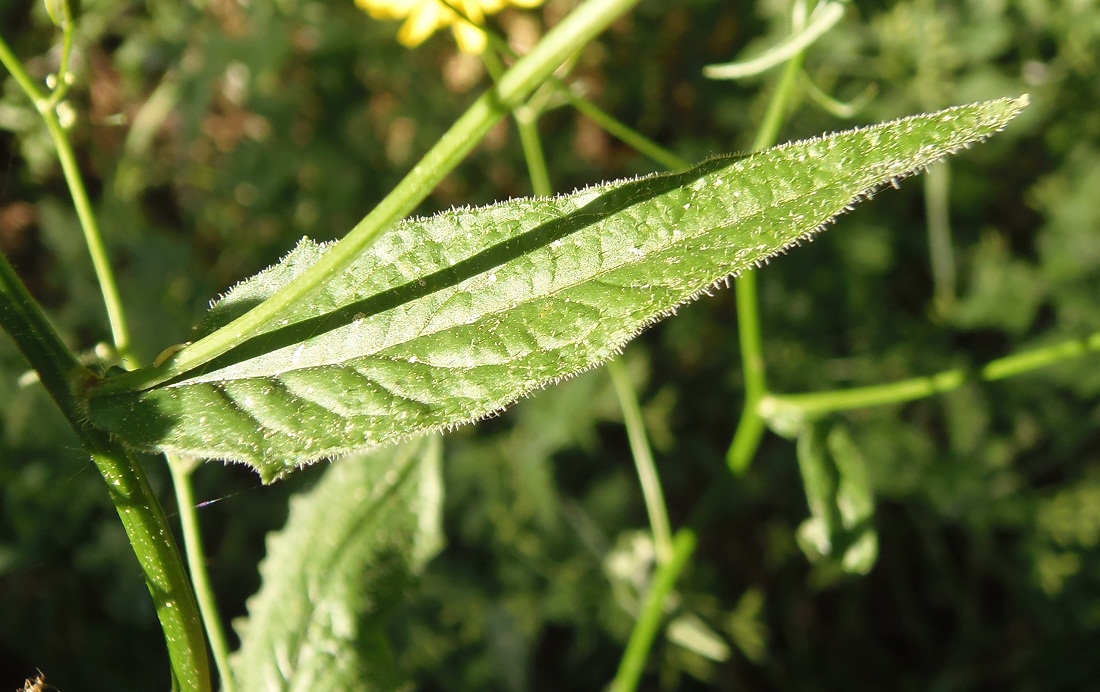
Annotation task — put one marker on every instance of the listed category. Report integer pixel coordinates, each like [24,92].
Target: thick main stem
[141,514]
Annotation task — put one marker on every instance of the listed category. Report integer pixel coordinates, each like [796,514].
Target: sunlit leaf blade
[350,548]
[448,319]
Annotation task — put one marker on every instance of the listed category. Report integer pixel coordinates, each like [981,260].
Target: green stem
[614,127]
[776,115]
[625,133]
[141,514]
[578,28]
[142,517]
[645,631]
[92,236]
[824,17]
[492,62]
[750,429]
[57,367]
[7,57]
[64,79]
[643,460]
[526,117]
[816,404]
[749,433]
[182,468]
[526,120]
[937,189]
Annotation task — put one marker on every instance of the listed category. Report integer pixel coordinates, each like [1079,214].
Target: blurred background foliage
[216,133]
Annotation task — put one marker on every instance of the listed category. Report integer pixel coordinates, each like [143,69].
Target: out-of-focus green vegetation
[216,134]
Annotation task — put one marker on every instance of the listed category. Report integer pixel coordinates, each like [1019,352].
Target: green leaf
[350,548]
[448,319]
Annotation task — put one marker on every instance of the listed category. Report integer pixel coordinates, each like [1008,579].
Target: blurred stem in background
[937,192]
[643,460]
[648,625]
[805,407]
[182,469]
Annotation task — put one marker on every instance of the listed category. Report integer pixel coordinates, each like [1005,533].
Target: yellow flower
[423,17]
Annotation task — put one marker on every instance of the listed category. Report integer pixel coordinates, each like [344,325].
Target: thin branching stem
[816,404]
[526,118]
[624,133]
[649,623]
[64,78]
[558,88]
[643,460]
[824,17]
[182,469]
[937,192]
[142,516]
[92,237]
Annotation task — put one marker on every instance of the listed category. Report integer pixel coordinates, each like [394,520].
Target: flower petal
[424,17]
[471,39]
[472,9]
[422,23]
[487,6]
[388,9]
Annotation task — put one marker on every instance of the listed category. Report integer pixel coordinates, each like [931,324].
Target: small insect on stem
[169,353]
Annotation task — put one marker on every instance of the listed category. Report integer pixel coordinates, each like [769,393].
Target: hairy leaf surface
[349,550]
[447,319]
